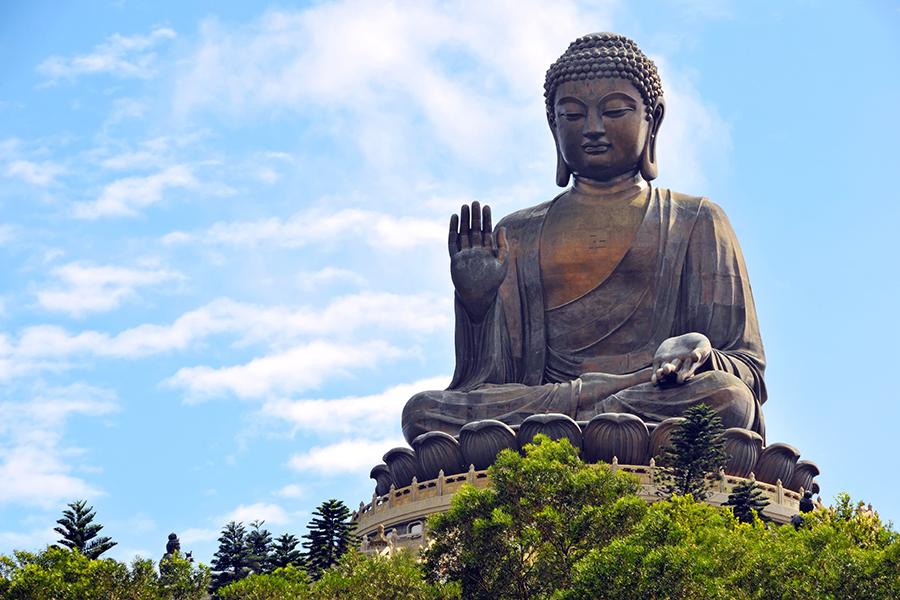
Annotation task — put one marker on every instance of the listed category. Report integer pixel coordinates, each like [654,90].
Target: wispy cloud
[321,227]
[83,288]
[119,55]
[373,412]
[35,465]
[42,347]
[125,197]
[295,370]
[40,174]
[272,514]
[348,456]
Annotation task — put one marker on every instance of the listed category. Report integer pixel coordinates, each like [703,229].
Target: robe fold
[684,272]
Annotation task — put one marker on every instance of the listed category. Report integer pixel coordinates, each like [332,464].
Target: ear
[649,167]
[563,173]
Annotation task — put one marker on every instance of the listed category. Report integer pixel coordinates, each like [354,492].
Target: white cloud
[291,490]
[309,280]
[119,55]
[40,174]
[375,228]
[401,69]
[41,347]
[125,197]
[7,233]
[694,139]
[33,460]
[272,514]
[83,288]
[28,540]
[197,534]
[297,369]
[374,412]
[347,456]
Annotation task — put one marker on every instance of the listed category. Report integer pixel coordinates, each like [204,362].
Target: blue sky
[221,233]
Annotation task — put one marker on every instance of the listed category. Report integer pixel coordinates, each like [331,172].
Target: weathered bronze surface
[614,297]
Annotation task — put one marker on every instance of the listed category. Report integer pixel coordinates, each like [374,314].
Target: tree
[61,574]
[285,552]
[231,561]
[396,577]
[747,501]
[697,449]
[522,537]
[330,534]
[281,584]
[79,532]
[259,542]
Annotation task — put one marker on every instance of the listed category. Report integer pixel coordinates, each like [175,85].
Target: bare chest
[581,246]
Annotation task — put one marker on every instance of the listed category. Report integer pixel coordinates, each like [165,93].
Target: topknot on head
[598,55]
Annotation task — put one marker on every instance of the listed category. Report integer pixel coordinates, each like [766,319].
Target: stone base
[397,519]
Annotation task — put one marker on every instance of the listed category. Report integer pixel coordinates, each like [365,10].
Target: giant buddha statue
[616,296]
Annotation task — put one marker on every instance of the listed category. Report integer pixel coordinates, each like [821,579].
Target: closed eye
[571,115]
[617,112]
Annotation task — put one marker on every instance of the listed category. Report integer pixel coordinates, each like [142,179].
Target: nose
[593,126]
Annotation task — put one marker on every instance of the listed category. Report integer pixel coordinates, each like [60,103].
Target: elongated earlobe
[649,166]
[562,170]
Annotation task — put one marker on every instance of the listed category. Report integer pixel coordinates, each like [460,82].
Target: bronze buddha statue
[615,296]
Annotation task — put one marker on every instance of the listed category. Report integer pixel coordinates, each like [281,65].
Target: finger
[475,233]
[453,237]
[487,232]
[464,241]
[502,245]
[687,368]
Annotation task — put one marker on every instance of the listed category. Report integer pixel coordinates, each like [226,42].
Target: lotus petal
[621,435]
[481,441]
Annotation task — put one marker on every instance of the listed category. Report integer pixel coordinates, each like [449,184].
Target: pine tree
[259,541]
[330,535]
[747,499]
[231,562]
[80,533]
[285,552]
[697,449]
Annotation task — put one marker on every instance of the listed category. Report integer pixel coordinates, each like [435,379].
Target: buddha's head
[173,544]
[604,106]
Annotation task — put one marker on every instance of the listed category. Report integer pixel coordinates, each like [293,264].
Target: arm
[717,302]
[479,261]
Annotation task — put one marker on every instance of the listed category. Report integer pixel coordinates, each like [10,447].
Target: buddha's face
[600,127]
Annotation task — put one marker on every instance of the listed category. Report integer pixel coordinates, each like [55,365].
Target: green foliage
[259,543]
[697,449]
[79,532]
[686,549]
[281,584]
[330,534]
[285,552]
[179,579]
[398,577]
[231,562]
[747,501]
[522,537]
[62,574]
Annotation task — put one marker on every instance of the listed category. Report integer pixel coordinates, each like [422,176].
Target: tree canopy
[79,532]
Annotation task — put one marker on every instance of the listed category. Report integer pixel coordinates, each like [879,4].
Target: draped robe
[684,272]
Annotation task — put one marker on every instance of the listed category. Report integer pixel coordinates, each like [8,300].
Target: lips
[596,147]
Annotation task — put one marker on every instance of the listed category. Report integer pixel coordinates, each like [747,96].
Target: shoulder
[701,208]
[522,218]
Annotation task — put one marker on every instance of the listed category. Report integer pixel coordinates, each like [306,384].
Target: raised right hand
[478,259]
